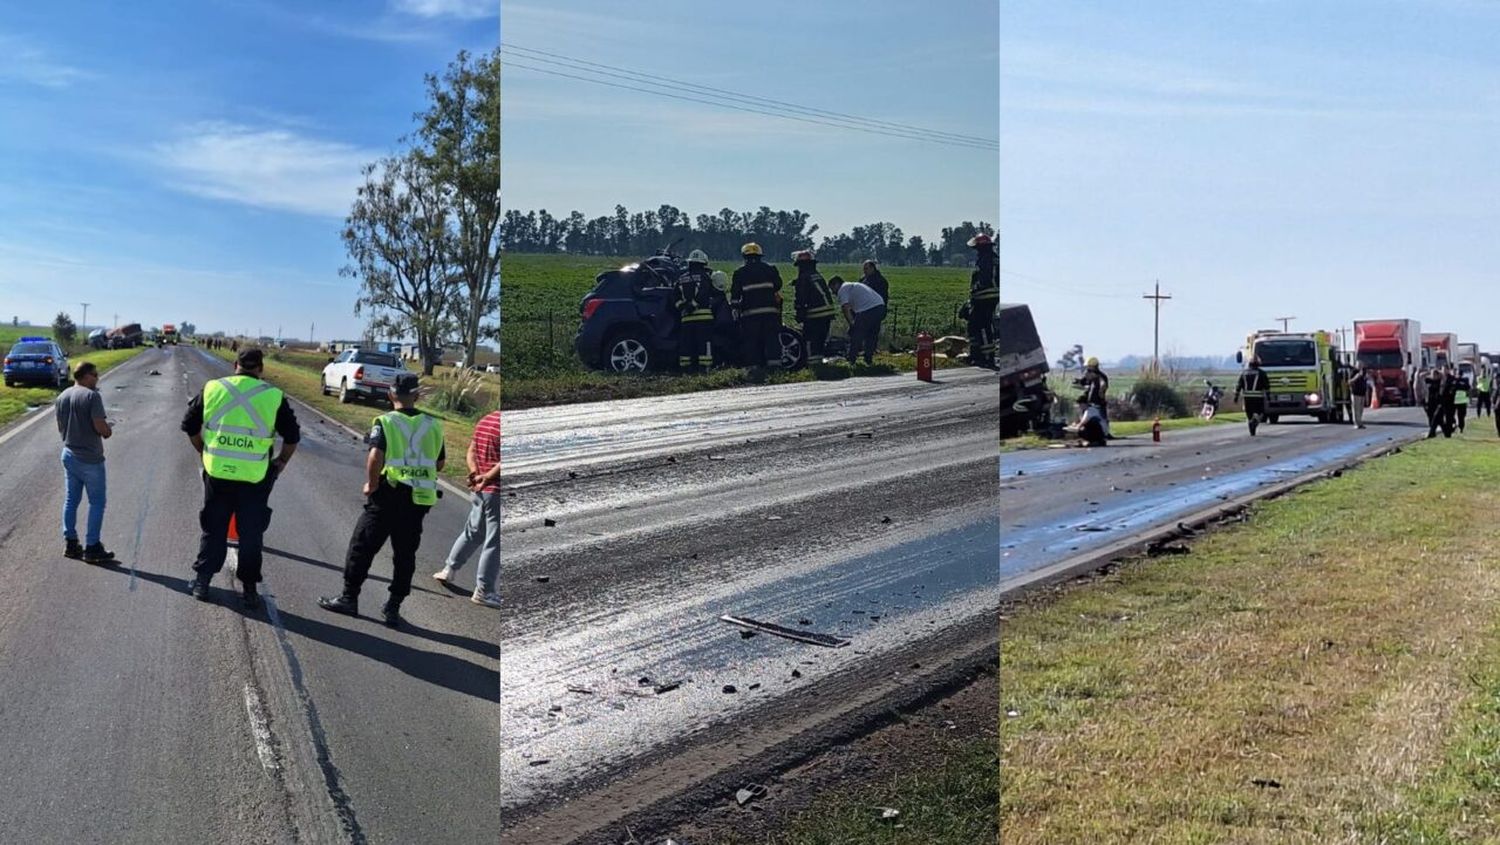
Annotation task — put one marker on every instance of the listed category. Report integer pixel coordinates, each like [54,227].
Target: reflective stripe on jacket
[239,417]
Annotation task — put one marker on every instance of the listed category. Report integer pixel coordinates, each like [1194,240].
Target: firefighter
[815,307]
[755,292]
[984,295]
[722,325]
[1095,386]
[233,424]
[401,472]
[1253,385]
[695,291]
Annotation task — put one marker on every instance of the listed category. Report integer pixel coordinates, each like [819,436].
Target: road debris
[888,813]
[580,690]
[542,579]
[1266,783]
[749,793]
[541,762]
[826,640]
[666,687]
[549,522]
[729,689]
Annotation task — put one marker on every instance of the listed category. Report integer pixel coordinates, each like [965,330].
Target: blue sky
[1329,160]
[573,145]
[193,162]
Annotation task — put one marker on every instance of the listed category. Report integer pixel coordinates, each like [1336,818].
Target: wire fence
[542,342]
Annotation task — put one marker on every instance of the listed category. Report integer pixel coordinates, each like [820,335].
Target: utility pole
[84,324]
[1285,321]
[310,328]
[1157,298]
[117,320]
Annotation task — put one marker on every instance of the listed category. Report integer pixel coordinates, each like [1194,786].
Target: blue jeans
[83,477]
[481,533]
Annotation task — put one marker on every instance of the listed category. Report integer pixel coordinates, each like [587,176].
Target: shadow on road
[415,586]
[444,670]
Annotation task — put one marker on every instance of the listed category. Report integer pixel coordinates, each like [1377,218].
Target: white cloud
[463,9]
[23,62]
[267,168]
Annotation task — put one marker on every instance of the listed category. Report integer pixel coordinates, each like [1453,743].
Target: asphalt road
[863,509]
[1058,503]
[129,712]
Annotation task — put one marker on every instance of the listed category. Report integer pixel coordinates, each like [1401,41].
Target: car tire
[627,352]
[346,396]
[793,350]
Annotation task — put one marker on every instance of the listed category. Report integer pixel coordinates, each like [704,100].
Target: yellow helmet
[751,248]
[1092,362]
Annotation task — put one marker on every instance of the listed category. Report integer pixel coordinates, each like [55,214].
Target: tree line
[721,235]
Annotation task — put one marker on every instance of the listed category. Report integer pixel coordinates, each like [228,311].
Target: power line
[668,82]
[893,130]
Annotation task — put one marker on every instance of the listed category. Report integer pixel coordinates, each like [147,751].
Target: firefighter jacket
[814,300]
[984,282]
[754,289]
[695,291]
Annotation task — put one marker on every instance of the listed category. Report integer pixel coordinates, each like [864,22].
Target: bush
[459,393]
[1156,397]
[1121,410]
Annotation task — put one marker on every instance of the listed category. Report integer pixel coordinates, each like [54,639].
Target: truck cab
[1303,369]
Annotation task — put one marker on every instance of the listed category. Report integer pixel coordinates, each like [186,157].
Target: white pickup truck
[361,373]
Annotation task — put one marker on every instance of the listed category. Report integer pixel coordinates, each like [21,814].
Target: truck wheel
[345,395]
[627,352]
[1273,419]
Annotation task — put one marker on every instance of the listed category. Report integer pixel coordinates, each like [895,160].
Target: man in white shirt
[864,310]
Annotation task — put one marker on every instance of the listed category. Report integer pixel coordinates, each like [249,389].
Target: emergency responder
[1361,385]
[755,294]
[815,308]
[1482,387]
[233,424]
[984,295]
[722,325]
[401,473]
[1095,386]
[695,291]
[1253,385]
[1460,401]
[1438,403]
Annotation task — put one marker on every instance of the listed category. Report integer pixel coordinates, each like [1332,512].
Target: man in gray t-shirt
[83,428]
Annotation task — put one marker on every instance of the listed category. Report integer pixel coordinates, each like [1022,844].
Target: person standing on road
[755,293]
[401,473]
[875,281]
[1460,401]
[233,424]
[482,531]
[814,303]
[1438,403]
[695,307]
[864,310]
[1482,394]
[1359,390]
[1253,385]
[984,296]
[82,425]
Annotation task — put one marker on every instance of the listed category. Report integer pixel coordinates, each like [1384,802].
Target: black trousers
[815,335]
[1459,413]
[692,344]
[760,334]
[1483,407]
[982,331]
[389,514]
[1440,417]
[248,504]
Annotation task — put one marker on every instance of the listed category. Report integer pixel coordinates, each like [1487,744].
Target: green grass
[15,402]
[300,375]
[540,319]
[1344,643]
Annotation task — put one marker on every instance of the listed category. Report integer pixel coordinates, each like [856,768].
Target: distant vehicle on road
[630,322]
[37,360]
[125,337]
[361,373]
[168,334]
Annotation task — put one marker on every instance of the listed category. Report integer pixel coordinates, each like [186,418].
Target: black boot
[96,553]
[200,588]
[346,604]
[251,597]
[392,614]
[73,549]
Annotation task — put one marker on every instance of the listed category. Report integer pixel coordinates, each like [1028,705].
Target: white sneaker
[445,574]
[487,599]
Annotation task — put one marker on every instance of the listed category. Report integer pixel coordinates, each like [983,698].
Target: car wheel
[345,396]
[627,353]
[793,350]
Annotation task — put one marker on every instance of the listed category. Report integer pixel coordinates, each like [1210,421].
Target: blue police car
[36,360]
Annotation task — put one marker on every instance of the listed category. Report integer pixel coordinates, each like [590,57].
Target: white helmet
[697,256]
[720,280]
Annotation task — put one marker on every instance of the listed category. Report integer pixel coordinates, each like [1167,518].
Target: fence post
[551,343]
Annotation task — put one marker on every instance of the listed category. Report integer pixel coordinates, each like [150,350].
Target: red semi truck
[1391,351]
[1441,347]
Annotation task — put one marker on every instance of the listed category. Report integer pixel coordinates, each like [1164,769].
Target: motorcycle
[1211,399]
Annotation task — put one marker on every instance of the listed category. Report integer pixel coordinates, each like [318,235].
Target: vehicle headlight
[1313,398]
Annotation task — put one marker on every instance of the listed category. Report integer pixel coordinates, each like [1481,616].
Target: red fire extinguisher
[924,356]
[1156,430]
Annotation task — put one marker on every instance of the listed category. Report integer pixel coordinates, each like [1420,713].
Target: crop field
[539,315]
[16,402]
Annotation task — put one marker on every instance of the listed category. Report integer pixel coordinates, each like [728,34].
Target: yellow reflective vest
[239,419]
[412,447]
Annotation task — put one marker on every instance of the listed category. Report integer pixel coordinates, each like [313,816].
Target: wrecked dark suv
[630,322]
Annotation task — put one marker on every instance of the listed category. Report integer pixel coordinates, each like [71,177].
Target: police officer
[815,307]
[1253,384]
[401,472]
[695,292]
[1438,403]
[233,424]
[1460,401]
[984,295]
[755,293]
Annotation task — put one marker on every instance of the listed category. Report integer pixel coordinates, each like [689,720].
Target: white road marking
[260,730]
